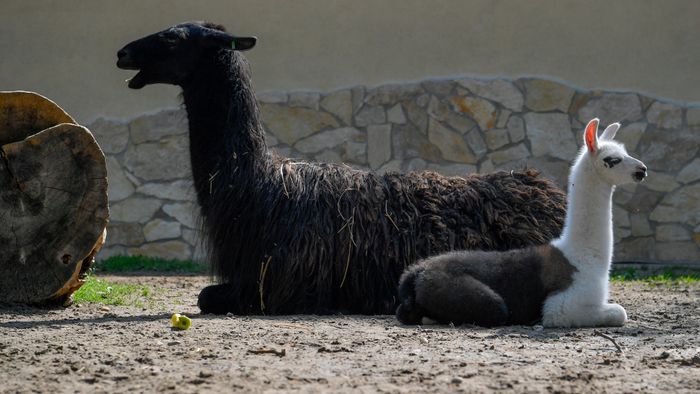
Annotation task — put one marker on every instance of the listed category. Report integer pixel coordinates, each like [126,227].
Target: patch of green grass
[141,263]
[670,276]
[109,293]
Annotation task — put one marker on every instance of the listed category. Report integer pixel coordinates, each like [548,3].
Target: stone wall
[449,126]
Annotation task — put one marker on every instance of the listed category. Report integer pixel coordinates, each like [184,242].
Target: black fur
[296,237]
[483,288]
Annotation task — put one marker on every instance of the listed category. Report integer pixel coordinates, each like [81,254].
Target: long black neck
[226,137]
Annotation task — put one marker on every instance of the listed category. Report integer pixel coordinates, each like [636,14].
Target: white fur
[587,238]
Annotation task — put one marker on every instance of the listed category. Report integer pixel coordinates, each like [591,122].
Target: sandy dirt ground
[92,348]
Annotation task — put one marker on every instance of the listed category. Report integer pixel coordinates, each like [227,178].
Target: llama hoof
[214,299]
[614,315]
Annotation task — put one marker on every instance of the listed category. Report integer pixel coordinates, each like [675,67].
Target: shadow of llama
[289,236]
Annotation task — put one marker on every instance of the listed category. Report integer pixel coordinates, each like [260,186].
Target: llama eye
[611,161]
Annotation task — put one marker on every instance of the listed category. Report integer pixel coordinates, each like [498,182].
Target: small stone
[453,169]
[358,97]
[392,93]
[339,104]
[416,115]
[481,110]
[545,95]
[416,164]
[395,115]
[693,117]
[516,128]
[155,127]
[166,250]
[166,159]
[635,249]
[328,139]
[392,166]
[160,229]
[664,115]
[672,233]
[272,97]
[476,142]
[124,233]
[441,87]
[422,100]
[134,209]
[451,144]
[290,124]
[271,140]
[111,135]
[378,145]
[456,380]
[460,123]
[550,134]
[328,156]
[304,99]
[486,167]
[110,251]
[513,153]
[621,218]
[438,109]
[503,119]
[369,115]
[639,225]
[660,182]
[496,138]
[689,173]
[612,107]
[681,206]
[180,190]
[630,135]
[185,213]
[677,251]
[656,145]
[118,185]
[501,91]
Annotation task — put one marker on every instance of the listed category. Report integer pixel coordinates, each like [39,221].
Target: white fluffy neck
[588,234]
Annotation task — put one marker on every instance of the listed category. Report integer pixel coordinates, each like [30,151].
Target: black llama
[301,237]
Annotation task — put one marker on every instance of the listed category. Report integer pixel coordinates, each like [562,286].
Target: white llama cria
[563,283]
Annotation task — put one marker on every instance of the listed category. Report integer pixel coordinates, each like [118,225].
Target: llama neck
[225,130]
[588,232]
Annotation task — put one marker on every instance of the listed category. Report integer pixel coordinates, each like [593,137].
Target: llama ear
[591,135]
[610,131]
[244,43]
[216,38]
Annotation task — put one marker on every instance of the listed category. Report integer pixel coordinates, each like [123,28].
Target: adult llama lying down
[563,283]
[297,237]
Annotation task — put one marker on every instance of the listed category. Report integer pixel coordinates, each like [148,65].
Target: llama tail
[408,312]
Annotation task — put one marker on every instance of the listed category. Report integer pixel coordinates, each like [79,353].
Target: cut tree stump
[53,200]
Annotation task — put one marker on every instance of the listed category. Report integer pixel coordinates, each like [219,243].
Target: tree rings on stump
[53,200]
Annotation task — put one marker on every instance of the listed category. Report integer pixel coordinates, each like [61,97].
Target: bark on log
[53,200]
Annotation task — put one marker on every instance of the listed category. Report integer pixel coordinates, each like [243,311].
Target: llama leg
[461,299]
[407,311]
[217,299]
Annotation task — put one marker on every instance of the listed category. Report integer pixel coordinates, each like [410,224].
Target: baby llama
[563,283]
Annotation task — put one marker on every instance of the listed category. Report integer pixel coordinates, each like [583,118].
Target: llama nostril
[121,53]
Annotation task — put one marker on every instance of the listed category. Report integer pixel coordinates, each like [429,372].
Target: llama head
[170,56]
[610,158]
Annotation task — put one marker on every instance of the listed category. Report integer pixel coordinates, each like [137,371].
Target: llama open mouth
[137,81]
[125,62]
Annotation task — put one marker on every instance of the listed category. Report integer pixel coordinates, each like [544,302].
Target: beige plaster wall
[66,49]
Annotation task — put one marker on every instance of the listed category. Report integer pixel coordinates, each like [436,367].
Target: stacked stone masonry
[451,126]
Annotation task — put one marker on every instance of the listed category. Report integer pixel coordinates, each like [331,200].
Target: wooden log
[53,200]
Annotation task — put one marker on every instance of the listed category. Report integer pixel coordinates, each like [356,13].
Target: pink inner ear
[590,135]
